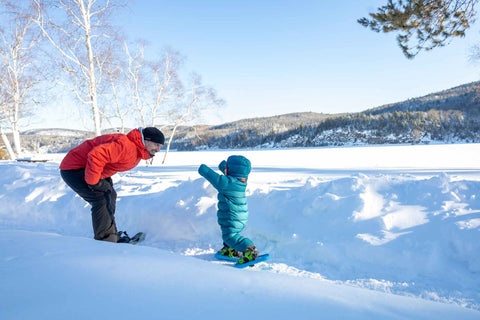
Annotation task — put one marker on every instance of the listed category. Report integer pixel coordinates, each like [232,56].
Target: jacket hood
[238,166]
[136,137]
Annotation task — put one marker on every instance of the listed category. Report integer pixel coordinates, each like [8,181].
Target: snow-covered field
[386,232]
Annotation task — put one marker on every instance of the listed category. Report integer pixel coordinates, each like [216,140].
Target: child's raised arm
[218,181]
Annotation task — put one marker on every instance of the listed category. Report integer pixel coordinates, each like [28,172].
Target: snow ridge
[410,231]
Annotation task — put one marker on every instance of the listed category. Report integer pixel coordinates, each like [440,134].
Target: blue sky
[274,57]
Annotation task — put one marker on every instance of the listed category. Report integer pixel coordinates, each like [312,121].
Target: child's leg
[231,234]
[242,244]
[236,241]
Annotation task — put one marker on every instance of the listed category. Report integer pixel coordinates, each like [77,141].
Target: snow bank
[48,276]
[401,220]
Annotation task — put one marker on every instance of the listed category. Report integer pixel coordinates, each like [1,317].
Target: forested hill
[449,116]
[464,98]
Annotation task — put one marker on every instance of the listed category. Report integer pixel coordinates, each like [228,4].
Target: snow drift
[402,222]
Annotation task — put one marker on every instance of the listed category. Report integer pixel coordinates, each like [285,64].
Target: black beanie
[153,134]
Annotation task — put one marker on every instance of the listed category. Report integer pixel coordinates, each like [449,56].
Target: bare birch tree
[80,32]
[19,74]
[117,99]
[4,102]
[153,84]
[196,99]
[10,152]
[167,85]
[158,93]
[3,117]
[135,77]
[120,110]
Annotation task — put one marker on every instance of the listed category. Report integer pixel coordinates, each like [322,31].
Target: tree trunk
[169,142]
[91,74]
[16,141]
[16,114]
[10,152]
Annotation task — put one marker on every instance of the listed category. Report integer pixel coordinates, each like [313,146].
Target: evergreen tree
[431,22]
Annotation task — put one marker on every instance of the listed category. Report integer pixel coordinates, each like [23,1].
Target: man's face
[153,147]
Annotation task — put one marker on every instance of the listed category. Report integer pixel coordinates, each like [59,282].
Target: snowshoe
[249,255]
[122,237]
[126,239]
[230,252]
[137,238]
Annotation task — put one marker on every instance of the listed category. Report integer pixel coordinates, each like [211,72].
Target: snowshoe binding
[230,252]
[249,255]
[122,237]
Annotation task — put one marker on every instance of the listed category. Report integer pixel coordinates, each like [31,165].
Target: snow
[385,232]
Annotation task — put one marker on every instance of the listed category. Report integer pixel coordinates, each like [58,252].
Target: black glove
[102,186]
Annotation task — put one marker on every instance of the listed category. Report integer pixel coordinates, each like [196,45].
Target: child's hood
[238,166]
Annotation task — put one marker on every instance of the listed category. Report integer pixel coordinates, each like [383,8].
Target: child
[232,211]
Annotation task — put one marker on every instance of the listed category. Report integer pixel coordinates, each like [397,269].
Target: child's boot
[229,252]
[249,255]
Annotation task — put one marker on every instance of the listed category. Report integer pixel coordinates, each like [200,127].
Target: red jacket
[106,155]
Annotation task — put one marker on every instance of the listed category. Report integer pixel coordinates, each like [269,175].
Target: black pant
[103,203]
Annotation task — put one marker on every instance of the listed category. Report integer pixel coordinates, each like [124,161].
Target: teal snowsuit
[232,211]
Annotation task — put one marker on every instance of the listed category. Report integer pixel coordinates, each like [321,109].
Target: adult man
[88,168]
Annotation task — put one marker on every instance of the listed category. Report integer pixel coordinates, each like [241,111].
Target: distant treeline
[449,116]
[412,127]
[361,128]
